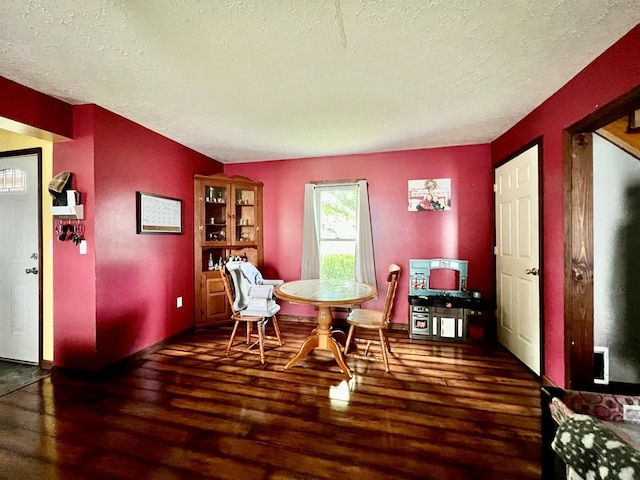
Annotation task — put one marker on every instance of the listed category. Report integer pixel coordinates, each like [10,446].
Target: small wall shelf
[75,212]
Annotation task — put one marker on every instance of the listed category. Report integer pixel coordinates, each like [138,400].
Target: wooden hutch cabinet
[227,223]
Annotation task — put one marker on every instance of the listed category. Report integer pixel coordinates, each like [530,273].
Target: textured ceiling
[249,80]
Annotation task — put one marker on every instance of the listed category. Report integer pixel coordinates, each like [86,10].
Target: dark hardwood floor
[446,411]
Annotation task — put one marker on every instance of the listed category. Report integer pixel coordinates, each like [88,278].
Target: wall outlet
[179,302]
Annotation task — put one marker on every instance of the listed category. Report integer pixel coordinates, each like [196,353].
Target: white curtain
[365,264]
[310,254]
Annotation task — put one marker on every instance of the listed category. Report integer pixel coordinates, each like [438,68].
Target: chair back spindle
[392,279]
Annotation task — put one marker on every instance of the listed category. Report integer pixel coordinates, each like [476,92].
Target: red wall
[611,75]
[74,286]
[30,107]
[465,232]
[121,297]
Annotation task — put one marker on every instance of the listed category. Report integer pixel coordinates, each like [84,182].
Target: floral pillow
[601,405]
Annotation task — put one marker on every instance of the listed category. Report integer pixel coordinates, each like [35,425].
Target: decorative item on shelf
[58,187]
[210,265]
[66,202]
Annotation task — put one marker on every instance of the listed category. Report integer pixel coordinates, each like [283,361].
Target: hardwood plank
[445,411]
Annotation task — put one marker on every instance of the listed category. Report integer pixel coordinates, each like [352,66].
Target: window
[337,242]
[12,180]
[336,214]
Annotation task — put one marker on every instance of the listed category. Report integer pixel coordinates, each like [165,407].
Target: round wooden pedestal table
[325,294]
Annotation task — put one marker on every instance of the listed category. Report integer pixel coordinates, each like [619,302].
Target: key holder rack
[69,230]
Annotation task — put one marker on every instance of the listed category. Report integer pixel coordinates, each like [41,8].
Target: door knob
[33,270]
[532,271]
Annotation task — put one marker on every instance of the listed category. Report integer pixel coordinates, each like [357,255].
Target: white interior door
[517,257]
[19,242]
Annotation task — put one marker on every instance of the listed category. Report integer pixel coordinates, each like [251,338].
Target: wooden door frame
[578,234]
[37,151]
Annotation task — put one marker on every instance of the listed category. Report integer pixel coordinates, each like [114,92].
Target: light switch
[83,247]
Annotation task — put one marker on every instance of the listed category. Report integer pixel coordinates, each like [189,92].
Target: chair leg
[387,344]
[261,328]
[276,327]
[249,328]
[383,347]
[352,329]
[233,334]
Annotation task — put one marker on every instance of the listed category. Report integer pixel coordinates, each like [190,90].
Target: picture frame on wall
[429,195]
[158,214]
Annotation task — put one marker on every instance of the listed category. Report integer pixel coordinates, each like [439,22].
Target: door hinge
[495,250]
[495,188]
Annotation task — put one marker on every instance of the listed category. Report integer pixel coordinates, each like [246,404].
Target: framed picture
[158,214]
[430,195]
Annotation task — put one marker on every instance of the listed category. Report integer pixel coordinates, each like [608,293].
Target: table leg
[323,339]
[308,345]
[336,349]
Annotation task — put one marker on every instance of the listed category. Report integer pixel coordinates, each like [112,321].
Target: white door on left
[19,275]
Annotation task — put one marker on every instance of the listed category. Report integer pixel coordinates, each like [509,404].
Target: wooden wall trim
[579,275]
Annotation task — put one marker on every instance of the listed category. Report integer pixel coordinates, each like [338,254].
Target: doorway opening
[579,243]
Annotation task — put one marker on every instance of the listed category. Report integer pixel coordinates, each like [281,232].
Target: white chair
[251,304]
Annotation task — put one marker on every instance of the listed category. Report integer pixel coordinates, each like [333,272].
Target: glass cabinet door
[215,213]
[245,216]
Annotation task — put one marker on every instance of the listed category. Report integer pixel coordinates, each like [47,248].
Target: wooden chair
[248,309]
[375,320]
